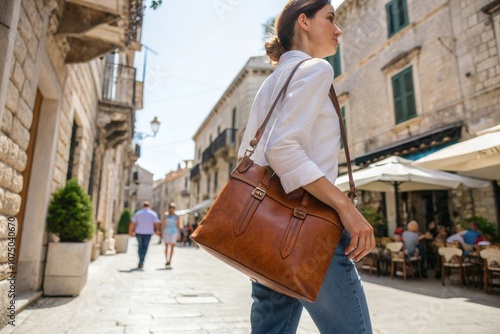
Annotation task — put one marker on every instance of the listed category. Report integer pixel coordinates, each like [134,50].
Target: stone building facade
[66,111]
[417,76]
[218,138]
[175,187]
[141,188]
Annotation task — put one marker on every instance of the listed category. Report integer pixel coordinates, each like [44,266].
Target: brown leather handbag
[283,241]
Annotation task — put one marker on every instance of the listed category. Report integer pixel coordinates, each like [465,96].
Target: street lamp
[155,126]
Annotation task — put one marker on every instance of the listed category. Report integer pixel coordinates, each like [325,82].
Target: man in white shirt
[144,223]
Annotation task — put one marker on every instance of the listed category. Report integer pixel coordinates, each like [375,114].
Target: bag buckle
[259,193]
[299,213]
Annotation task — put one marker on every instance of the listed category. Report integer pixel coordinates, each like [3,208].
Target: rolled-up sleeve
[287,145]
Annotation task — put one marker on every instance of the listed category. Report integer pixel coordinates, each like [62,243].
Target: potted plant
[121,236]
[70,219]
[484,225]
[376,220]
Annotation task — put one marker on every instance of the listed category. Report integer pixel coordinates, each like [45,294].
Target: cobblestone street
[203,295]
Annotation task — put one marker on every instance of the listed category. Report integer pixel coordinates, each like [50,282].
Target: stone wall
[16,118]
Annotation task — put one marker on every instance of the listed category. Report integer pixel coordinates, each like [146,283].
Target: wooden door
[27,171]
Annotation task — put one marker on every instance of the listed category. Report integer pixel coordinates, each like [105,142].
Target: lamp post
[155,126]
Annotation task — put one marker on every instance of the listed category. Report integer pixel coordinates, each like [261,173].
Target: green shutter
[335,63]
[404,96]
[389,8]
[397,16]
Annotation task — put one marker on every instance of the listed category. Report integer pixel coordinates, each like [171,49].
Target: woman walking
[170,227]
[302,147]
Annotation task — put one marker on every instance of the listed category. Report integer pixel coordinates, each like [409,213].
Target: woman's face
[324,33]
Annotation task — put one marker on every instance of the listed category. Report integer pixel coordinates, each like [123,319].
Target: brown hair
[285,25]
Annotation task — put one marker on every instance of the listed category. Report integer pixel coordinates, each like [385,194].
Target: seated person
[442,234]
[471,234]
[397,236]
[484,240]
[458,236]
[411,239]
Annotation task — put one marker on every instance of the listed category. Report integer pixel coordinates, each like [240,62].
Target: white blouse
[302,140]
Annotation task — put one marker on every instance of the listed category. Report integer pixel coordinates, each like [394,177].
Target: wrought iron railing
[119,84]
[226,139]
[194,172]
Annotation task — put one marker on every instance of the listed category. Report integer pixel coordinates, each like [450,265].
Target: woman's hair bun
[274,49]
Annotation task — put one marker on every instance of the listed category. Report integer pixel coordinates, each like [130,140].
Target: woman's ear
[303,21]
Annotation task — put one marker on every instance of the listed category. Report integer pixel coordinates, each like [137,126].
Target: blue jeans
[339,308]
[143,241]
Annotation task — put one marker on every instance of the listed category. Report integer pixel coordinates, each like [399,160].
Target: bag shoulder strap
[352,187]
[260,131]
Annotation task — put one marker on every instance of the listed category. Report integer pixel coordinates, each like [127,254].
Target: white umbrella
[396,174]
[382,175]
[479,156]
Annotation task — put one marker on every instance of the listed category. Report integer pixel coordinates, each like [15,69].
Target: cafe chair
[491,265]
[399,256]
[452,258]
[371,261]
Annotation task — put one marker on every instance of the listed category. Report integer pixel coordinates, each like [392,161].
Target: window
[231,167]
[342,113]
[404,96]
[216,180]
[208,185]
[72,148]
[92,175]
[335,62]
[397,16]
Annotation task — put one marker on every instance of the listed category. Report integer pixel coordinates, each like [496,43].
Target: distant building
[173,188]
[218,138]
[141,188]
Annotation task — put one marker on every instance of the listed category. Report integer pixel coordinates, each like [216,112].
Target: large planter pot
[121,243]
[67,268]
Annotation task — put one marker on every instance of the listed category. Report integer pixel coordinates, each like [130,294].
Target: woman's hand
[361,232]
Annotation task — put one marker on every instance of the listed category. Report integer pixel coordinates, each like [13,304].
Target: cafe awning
[200,206]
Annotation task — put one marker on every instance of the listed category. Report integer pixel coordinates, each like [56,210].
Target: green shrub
[124,222]
[70,214]
[485,226]
[372,216]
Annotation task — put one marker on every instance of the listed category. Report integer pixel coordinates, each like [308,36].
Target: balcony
[133,152]
[119,85]
[195,172]
[117,103]
[96,27]
[185,193]
[223,146]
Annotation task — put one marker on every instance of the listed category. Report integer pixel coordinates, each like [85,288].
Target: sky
[199,48]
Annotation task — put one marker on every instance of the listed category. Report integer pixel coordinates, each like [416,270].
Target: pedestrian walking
[170,227]
[302,147]
[144,224]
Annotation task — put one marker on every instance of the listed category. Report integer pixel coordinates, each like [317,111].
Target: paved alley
[202,295]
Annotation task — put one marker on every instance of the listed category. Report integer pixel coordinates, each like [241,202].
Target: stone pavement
[202,295]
